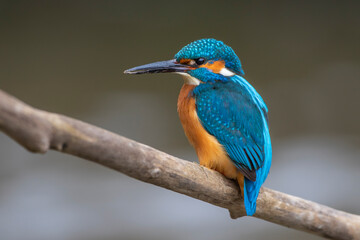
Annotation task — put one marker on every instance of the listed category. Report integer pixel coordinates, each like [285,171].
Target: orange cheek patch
[215,66]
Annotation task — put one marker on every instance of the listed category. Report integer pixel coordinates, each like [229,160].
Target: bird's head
[202,61]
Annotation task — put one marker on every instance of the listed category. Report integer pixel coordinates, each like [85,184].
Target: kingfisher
[223,116]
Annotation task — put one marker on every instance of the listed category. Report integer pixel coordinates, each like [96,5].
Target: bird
[223,116]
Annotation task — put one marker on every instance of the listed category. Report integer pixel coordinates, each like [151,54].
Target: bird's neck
[186,109]
[189,80]
[185,98]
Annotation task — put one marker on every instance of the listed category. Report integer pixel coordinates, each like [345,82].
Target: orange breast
[210,152]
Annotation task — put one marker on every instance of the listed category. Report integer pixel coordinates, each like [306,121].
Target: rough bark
[39,131]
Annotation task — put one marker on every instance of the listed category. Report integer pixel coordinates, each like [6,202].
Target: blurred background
[69,56]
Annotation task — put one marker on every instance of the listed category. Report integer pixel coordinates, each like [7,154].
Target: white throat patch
[226,72]
[189,79]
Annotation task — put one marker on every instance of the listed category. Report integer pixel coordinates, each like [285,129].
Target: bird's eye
[200,61]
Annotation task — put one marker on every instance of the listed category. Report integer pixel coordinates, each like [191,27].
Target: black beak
[160,67]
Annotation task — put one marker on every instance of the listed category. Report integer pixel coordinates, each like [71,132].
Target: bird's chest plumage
[210,152]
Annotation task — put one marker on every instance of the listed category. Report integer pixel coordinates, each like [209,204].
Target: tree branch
[39,131]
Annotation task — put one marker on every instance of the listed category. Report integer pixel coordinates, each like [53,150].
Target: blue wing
[236,115]
[231,112]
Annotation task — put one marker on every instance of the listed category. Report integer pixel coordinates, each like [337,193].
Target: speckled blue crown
[211,49]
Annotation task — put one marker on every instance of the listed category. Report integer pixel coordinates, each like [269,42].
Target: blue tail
[251,189]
